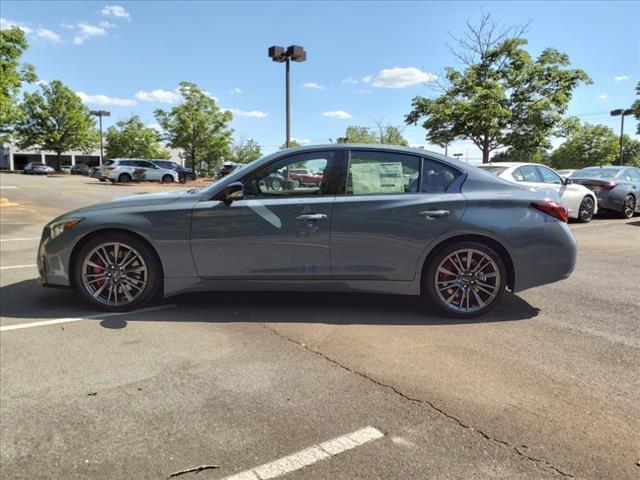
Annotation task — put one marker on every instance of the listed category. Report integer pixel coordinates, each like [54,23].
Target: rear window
[597,173]
[496,170]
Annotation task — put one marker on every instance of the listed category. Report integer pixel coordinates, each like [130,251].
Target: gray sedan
[617,188]
[382,219]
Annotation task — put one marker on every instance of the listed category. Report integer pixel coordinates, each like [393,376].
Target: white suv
[123,170]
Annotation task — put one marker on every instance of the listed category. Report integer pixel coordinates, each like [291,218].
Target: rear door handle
[433,214]
[312,216]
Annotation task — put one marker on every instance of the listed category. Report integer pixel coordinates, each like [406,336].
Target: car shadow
[27,300]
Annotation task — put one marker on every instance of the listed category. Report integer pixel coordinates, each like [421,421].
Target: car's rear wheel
[117,272]
[276,184]
[190,178]
[124,178]
[628,207]
[465,279]
[587,207]
[167,179]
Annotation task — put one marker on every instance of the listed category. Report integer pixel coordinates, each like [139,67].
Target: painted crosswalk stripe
[309,456]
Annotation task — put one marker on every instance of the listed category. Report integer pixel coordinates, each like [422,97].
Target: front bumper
[53,260]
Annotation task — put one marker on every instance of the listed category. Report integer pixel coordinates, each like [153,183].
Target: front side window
[301,175]
[526,173]
[436,177]
[379,173]
[549,176]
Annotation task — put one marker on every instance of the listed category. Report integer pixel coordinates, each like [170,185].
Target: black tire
[167,179]
[628,207]
[182,178]
[480,250]
[124,178]
[190,178]
[275,184]
[151,291]
[102,179]
[587,207]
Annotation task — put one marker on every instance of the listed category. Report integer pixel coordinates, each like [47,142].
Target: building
[13,158]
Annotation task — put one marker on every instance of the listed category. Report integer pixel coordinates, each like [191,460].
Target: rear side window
[634,174]
[436,177]
[380,173]
[125,163]
[549,176]
[526,173]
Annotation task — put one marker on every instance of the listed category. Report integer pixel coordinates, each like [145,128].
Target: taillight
[554,209]
[603,186]
[109,168]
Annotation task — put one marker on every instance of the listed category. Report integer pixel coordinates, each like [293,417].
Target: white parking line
[309,456]
[7,186]
[98,316]
[10,267]
[24,239]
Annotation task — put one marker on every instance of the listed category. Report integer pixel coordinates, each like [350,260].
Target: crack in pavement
[537,461]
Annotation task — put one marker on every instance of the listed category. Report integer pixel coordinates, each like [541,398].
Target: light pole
[622,112]
[100,114]
[280,55]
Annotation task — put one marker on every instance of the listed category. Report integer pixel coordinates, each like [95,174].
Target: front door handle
[312,216]
[433,214]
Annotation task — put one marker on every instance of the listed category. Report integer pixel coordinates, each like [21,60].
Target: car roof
[509,164]
[610,167]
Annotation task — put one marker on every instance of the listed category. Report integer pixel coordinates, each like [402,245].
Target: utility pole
[622,112]
[100,114]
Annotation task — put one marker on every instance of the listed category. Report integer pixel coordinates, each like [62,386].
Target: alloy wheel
[467,280]
[114,274]
[629,207]
[586,210]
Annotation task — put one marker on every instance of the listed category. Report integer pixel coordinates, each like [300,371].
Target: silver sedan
[380,219]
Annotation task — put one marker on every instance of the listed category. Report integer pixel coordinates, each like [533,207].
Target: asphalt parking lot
[545,386]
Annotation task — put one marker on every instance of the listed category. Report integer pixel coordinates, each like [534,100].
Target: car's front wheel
[587,207]
[628,207]
[117,272]
[465,279]
[167,179]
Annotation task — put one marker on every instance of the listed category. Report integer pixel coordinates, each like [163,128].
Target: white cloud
[104,100]
[116,11]
[313,85]
[621,78]
[602,96]
[40,32]
[364,90]
[245,113]
[87,31]
[301,141]
[162,96]
[236,90]
[341,114]
[401,77]
[366,79]
[350,81]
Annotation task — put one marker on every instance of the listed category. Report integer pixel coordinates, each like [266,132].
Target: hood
[142,200]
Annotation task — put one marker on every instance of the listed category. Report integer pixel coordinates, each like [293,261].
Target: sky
[365,60]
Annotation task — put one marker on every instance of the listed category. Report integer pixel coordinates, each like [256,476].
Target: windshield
[496,170]
[597,173]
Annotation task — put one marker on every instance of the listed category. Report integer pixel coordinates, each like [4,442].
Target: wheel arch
[490,242]
[105,231]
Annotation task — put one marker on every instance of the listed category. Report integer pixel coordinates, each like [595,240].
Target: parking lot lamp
[622,112]
[100,114]
[280,55]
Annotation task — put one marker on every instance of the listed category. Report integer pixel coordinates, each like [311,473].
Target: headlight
[57,228]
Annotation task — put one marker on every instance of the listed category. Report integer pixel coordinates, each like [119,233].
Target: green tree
[630,151]
[198,127]
[13,73]
[384,134]
[56,120]
[131,139]
[245,150]
[292,144]
[512,155]
[503,97]
[585,146]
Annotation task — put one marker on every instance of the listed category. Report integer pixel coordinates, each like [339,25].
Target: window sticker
[368,178]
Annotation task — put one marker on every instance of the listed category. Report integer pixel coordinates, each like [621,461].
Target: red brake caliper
[99,283]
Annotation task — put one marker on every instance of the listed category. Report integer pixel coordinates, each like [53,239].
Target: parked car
[96,172]
[384,219]
[302,177]
[37,168]
[66,168]
[566,172]
[226,169]
[617,188]
[124,170]
[184,174]
[581,202]
[80,169]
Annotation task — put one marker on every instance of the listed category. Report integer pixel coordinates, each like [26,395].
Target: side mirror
[233,191]
[567,181]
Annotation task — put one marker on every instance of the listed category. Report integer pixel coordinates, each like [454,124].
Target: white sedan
[581,203]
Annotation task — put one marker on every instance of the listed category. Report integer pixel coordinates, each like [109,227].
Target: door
[280,230]
[151,171]
[391,208]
